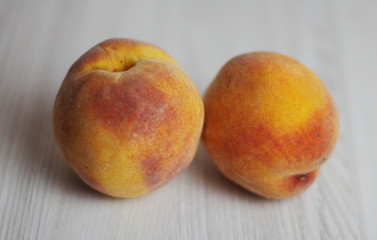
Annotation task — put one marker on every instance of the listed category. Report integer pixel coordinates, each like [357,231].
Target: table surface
[42,198]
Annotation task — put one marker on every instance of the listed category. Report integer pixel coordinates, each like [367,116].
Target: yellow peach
[127,117]
[269,124]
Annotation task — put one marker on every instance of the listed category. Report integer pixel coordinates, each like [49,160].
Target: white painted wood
[41,197]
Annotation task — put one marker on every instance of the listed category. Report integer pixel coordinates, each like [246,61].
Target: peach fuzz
[127,117]
[269,124]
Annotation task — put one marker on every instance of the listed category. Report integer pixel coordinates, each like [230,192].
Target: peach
[127,118]
[269,124]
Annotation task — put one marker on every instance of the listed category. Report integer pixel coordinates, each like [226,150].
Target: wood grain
[41,197]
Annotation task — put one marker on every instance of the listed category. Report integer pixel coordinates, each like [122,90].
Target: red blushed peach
[269,124]
[127,117]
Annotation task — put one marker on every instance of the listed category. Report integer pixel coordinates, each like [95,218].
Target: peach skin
[127,117]
[269,124]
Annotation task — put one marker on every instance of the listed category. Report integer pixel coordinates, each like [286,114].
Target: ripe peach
[127,117]
[269,124]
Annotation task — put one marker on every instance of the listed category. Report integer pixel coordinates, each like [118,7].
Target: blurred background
[40,196]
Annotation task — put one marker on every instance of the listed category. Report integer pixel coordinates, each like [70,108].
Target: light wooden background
[41,197]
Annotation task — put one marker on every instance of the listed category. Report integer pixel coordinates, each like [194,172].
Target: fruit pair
[128,119]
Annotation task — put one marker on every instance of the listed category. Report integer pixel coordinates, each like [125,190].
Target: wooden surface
[41,197]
